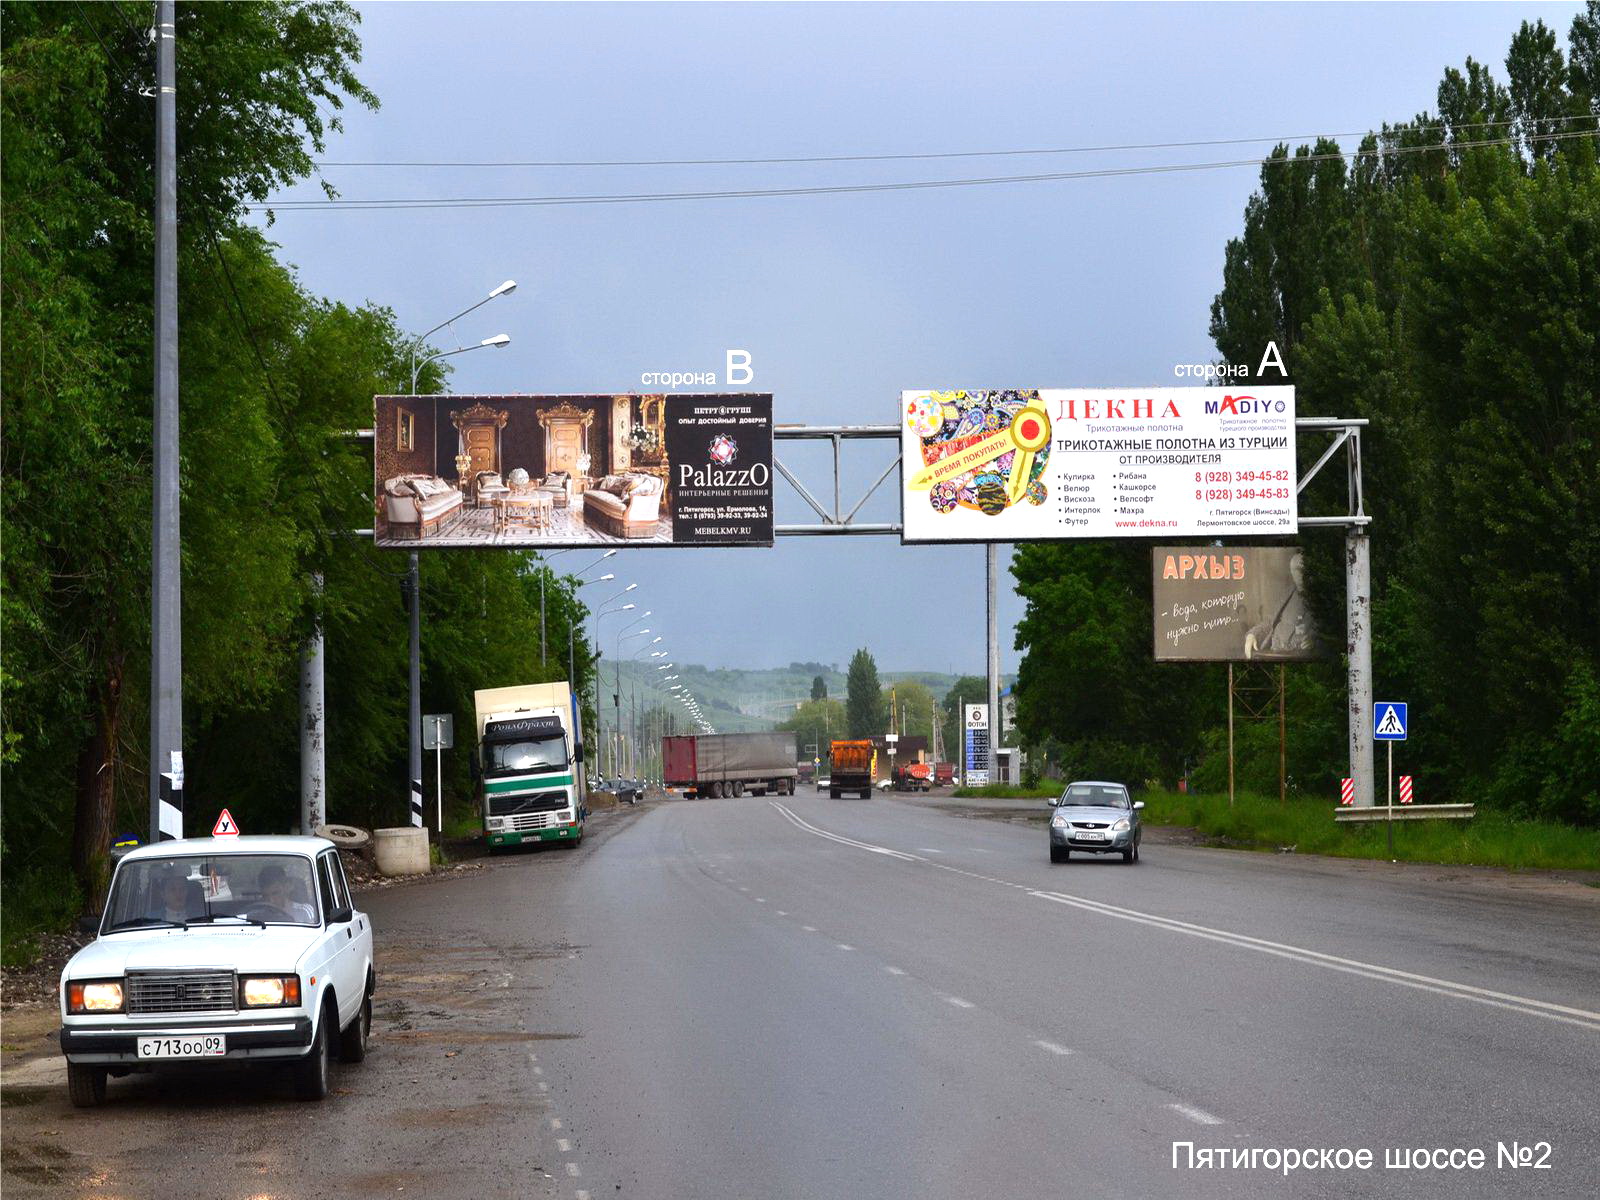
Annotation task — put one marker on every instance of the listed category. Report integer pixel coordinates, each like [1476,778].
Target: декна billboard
[538,471]
[1231,604]
[1003,466]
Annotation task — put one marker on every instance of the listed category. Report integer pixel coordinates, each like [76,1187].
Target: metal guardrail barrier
[1406,812]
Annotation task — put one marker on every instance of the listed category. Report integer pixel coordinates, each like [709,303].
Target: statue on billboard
[1285,630]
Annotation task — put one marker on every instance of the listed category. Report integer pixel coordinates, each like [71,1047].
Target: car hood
[1077,812]
[232,947]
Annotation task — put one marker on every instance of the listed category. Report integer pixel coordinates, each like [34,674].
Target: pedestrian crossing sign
[1389,722]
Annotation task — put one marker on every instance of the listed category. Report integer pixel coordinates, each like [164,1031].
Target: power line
[375,205]
[838,158]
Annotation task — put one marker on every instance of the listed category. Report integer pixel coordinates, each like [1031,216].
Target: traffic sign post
[438,735]
[1390,721]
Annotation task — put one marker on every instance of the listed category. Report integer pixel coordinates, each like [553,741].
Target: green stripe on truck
[527,785]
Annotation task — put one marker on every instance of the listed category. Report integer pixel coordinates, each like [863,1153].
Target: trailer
[944,773]
[730,764]
[913,777]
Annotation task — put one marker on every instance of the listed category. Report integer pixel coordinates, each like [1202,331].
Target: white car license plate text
[209,1045]
[1090,835]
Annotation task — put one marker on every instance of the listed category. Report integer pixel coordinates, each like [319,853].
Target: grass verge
[1491,839]
[1002,791]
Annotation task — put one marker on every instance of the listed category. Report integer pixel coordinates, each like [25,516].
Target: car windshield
[1099,795]
[531,754]
[270,889]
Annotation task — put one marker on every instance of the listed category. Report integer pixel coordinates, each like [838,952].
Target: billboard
[1006,466]
[545,471]
[1231,604]
[976,719]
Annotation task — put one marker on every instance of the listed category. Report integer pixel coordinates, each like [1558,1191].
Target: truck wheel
[833,793]
[866,793]
[716,791]
[86,1085]
[738,787]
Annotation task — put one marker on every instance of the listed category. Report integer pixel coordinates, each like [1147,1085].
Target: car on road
[1095,817]
[221,950]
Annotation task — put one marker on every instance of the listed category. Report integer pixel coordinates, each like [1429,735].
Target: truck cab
[528,763]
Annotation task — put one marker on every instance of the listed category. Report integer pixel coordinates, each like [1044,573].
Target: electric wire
[464,202]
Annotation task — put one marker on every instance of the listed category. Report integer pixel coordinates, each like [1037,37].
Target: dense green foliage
[1448,291]
[814,724]
[866,704]
[269,378]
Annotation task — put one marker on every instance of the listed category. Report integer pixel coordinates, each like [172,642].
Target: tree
[815,723]
[819,688]
[916,706]
[867,711]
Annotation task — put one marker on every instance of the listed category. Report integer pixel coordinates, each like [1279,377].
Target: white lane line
[761,899]
[580,1194]
[959,1002]
[563,1145]
[928,850]
[744,889]
[894,970]
[781,913]
[572,1170]
[543,1086]
[1053,1048]
[538,1070]
[844,946]
[1583,1018]
[1198,1115]
[555,1122]
[809,928]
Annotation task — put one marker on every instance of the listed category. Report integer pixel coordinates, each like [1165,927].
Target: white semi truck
[529,764]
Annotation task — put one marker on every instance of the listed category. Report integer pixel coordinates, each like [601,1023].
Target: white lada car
[221,950]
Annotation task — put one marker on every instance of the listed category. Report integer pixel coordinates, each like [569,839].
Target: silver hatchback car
[1095,817]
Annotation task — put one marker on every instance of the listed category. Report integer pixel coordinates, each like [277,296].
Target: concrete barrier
[402,851]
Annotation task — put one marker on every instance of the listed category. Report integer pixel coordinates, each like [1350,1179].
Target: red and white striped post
[1347,791]
[1405,789]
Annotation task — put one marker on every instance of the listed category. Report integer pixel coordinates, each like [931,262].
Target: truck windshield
[533,754]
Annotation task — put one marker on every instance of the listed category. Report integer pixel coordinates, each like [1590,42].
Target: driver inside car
[174,900]
[277,892]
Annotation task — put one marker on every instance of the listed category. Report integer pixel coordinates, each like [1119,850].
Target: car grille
[501,806]
[181,991]
[1091,825]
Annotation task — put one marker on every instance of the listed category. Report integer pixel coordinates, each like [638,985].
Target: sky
[842,301]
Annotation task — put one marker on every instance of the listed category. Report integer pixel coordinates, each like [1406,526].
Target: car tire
[1127,855]
[866,793]
[353,1041]
[1058,854]
[1136,852]
[86,1085]
[833,793]
[313,1073]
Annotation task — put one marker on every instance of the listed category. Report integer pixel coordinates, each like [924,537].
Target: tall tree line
[1445,284]
[271,377]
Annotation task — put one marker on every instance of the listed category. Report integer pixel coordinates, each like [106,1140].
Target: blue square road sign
[1389,721]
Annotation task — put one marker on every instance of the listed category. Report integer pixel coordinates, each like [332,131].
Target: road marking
[959,1002]
[809,928]
[555,1122]
[1198,1115]
[894,970]
[761,899]
[580,1194]
[928,850]
[744,889]
[538,1070]
[563,1145]
[781,913]
[844,946]
[543,1086]
[572,1170]
[1053,1048]
[1567,1015]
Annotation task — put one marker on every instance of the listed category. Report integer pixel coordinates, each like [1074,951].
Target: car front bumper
[118,1045]
[1120,840]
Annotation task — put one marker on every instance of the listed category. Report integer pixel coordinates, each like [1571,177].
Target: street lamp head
[505,289]
[630,588]
[608,554]
[626,607]
[603,578]
[499,339]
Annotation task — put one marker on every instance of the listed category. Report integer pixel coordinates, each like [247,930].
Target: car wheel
[1136,852]
[86,1085]
[353,1041]
[833,793]
[1058,854]
[312,1072]
[1127,855]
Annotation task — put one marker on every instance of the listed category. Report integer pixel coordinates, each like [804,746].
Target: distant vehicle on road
[221,950]
[913,777]
[729,764]
[1096,818]
[853,764]
[824,783]
[944,774]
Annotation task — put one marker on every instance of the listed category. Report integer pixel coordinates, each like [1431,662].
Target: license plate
[1089,835]
[211,1045]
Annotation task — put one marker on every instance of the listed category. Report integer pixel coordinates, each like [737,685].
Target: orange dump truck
[852,766]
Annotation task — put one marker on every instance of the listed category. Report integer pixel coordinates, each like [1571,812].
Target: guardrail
[1406,812]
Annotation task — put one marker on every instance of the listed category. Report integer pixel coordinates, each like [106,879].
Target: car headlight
[269,991]
[101,996]
[1121,825]
[1059,822]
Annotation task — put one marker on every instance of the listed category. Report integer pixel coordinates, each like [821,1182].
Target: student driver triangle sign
[226,826]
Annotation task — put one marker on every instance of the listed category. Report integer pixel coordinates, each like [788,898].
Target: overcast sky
[842,300]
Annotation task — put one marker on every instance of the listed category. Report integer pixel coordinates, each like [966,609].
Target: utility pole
[992,563]
[313,740]
[414,595]
[1358,649]
[166,599]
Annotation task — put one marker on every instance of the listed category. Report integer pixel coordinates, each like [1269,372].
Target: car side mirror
[341,916]
[472,765]
[577,755]
[1052,801]
[89,923]
[1138,804]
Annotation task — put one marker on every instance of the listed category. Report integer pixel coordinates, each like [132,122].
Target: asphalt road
[819,998]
